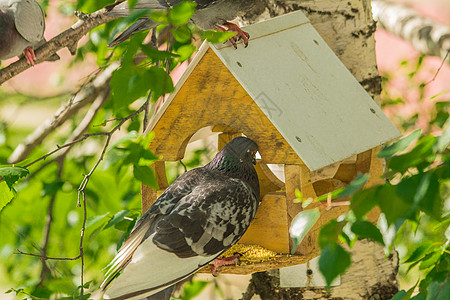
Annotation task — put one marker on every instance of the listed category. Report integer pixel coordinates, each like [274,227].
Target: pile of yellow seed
[251,254]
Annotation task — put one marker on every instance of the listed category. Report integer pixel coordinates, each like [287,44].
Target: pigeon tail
[139,25]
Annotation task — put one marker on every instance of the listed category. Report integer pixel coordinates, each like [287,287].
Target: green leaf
[366,229]
[355,185]
[363,201]
[401,295]
[400,145]
[193,289]
[444,140]
[117,217]
[330,232]
[156,54]
[419,154]
[301,225]
[333,261]
[182,34]
[429,260]
[159,82]
[6,195]
[12,174]
[217,37]
[92,220]
[145,175]
[132,3]
[447,233]
[128,83]
[439,290]
[181,13]
[50,189]
[185,52]
[393,206]
[420,252]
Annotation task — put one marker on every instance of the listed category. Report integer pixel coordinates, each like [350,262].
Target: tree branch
[68,38]
[81,99]
[427,36]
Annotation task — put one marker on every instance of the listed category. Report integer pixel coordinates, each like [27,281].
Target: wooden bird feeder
[289,93]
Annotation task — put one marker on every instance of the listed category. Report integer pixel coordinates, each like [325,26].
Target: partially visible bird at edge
[198,217]
[209,14]
[22,25]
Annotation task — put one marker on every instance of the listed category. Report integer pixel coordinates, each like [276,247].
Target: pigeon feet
[29,55]
[223,261]
[240,34]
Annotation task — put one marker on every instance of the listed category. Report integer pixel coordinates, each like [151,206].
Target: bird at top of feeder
[22,25]
[209,14]
[198,217]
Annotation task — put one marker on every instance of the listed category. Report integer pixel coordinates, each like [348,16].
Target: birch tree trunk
[348,28]
[427,36]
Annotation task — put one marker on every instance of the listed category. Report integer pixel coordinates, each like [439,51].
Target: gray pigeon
[199,216]
[209,14]
[22,25]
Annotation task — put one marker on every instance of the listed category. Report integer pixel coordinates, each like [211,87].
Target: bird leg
[223,261]
[240,34]
[29,55]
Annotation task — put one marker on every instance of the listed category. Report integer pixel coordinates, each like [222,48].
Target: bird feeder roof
[303,88]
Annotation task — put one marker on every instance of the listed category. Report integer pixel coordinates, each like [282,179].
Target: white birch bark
[426,35]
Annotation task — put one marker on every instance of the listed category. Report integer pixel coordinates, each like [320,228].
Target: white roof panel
[306,91]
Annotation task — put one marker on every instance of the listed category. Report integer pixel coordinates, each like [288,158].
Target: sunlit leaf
[429,260]
[301,225]
[12,174]
[217,37]
[420,252]
[193,289]
[181,13]
[182,34]
[6,195]
[185,52]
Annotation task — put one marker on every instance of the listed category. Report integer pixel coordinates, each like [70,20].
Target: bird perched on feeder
[198,217]
[22,25]
[209,14]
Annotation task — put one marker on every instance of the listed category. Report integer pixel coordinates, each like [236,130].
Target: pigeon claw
[29,55]
[223,261]
[240,34]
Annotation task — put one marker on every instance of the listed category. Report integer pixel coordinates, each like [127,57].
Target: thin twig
[47,257]
[439,69]
[48,226]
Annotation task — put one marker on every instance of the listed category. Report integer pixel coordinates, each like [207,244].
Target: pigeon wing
[209,220]
[200,227]
[29,20]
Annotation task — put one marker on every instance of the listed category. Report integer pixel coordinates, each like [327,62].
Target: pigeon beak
[254,158]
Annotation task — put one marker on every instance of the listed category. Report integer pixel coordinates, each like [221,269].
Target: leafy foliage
[112,193]
[417,188]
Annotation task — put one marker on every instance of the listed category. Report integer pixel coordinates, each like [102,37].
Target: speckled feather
[199,216]
[208,13]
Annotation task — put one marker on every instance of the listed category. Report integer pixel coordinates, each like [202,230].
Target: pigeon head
[236,160]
